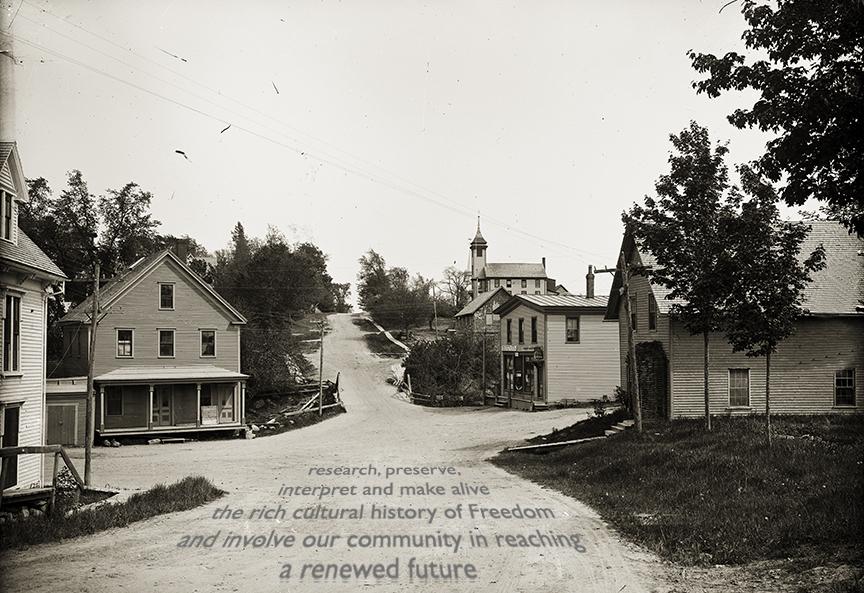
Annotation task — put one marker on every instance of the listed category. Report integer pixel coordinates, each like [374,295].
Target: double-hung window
[844,387]
[524,283]
[572,330]
[652,312]
[166,343]
[208,343]
[739,387]
[12,334]
[509,331]
[7,203]
[166,297]
[125,343]
[521,331]
[533,330]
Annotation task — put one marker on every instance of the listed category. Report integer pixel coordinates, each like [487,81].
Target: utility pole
[484,359]
[321,373]
[91,392]
[633,370]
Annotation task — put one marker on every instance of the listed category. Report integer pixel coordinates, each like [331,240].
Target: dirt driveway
[379,429]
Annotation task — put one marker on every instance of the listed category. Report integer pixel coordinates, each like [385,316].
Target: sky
[376,124]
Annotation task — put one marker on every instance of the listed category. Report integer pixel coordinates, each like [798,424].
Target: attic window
[166,297]
[6,203]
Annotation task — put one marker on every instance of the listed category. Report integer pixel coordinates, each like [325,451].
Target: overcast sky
[385,125]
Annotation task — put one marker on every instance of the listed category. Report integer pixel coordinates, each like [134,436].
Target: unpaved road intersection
[381,430]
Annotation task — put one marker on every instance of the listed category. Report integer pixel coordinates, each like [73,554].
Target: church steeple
[478,259]
[478,237]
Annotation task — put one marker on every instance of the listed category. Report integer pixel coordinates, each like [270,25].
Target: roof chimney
[181,250]
[544,263]
[589,283]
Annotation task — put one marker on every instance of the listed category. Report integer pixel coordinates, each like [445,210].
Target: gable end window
[7,203]
[652,312]
[572,330]
[844,387]
[12,334]
[739,387]
[166,297]
[125,343]
[166,343]
[208,343]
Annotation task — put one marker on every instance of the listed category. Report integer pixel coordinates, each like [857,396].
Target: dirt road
[379,429]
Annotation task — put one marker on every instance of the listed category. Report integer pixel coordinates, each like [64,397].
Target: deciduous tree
[807,64]
[767,275]
[683,227]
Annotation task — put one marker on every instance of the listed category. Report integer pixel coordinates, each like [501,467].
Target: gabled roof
[477,303]
[11,162]
[120,284]
[508,270]
[28,258]
[561,289]
[555,303]
[837,289]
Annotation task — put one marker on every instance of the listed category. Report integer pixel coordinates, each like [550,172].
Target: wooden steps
[619,428]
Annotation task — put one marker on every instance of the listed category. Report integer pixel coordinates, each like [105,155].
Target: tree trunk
[768,396]
[705,380]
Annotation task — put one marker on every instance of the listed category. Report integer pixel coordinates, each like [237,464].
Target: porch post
[198,404]
[150,409]
[242,389]
[101,408]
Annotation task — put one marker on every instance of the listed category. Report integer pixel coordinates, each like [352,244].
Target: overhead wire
[449,204]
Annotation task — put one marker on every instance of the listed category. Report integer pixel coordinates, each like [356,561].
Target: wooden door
[163,399]
[11,417]
[62,429]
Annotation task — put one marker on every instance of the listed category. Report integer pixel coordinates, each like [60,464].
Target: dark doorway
[11,418]
[653,379]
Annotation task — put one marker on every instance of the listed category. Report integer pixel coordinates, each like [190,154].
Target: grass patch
[723,497]
[590,427]
[186,494]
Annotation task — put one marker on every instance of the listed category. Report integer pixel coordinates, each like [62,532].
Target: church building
[515,278]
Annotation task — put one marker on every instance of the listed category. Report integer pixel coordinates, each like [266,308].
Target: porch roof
[169,374]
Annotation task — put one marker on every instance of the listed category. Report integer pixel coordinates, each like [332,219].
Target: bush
[452,366]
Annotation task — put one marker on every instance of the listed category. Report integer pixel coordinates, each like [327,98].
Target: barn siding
[587,370]
[802,369]
[138,309]
[28,386]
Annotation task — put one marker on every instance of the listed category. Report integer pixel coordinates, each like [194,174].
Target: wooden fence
[57,450]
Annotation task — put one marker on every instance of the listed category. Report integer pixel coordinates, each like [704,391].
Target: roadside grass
[723,497]
[590,427]
[186,494]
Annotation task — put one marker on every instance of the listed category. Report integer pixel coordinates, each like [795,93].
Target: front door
[519,376]
[163,396]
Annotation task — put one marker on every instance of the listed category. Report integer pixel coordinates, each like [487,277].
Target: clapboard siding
[588,369]
[802,369]
[526,313]
[28,386]
[138,309]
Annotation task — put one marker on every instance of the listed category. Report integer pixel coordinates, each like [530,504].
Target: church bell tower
[478,259]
